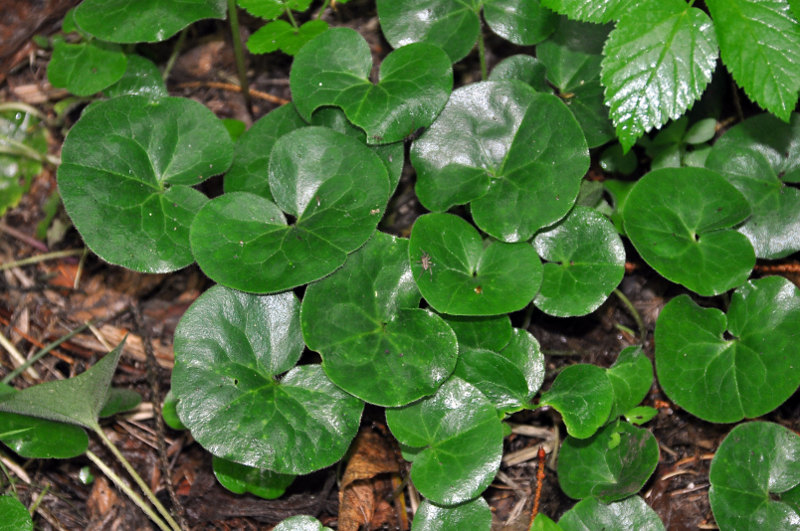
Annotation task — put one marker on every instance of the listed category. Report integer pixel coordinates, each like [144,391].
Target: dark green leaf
[474,515]
[522,22]
[242,478]
[724,370]
[591,514]
[169,410]
[583,395]
[375,341]
[280,35]
[13,515]
[631,377]
[522,67]
[490,333]
[754,466]
[495,376]
[87,67]
[141,78]
[133,161]
[596,11]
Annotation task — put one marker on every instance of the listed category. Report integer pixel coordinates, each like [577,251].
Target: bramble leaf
[598,11]
[280,35]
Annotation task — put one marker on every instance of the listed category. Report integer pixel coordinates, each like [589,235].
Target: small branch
[174,55]
[41,258]
[230,86]
[634,313]
[482,54]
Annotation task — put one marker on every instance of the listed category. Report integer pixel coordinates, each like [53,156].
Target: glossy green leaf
[120,400]
[133,161]
[522,67]
[523,350]
[583,395]
[77,400]
[452,25]
[495,376]
[301,523]
[334,187]
[169,410]
[542,522]
[230,348]
[141,78]
[585,262]
[758,156]
[474,515]
[726,369]
[760,45]
[462,440]
[640,415]
[631,377]
[608,471]
[756,464]
[631,513]
[375,341]
[280,35]
[572,57]
[334,67]
[258,481]
[598,11]
[131,21]
[523,22]
[458,275]
[517,155]
[681,221]
[658,60]
[20,132]
[86,68]
[490,333]
[13,515]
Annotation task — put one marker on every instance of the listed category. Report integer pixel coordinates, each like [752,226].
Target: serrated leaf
[760,45]
[522,22]
[258,481]
[681,220]
[598,11]
[585,262]
[377,343]
[725,380]
[474,515]
[592,467]
[132,160]
[229,349]
[334,67]
[129,21]
[658,60]
[280,35]
[583,395]
[754,469]
[630,513]
[333,185]
[462,439]
[86,68]
[458,275]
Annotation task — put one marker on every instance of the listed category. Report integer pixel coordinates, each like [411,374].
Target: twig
[234,88]
[21,236]
[40,258]
[539,481]
[18,358]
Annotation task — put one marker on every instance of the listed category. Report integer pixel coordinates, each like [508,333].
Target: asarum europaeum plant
[421,325]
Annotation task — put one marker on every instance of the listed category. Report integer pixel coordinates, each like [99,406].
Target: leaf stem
[174,55]
[139,481]
[322,9]
[482,54]
[121,485]
[238,53]
[15,147]
[291,18]
[41,258]
[634,313]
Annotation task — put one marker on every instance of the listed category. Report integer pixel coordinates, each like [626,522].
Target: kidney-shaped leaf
[522,22]
[333,69]
[334,187]
[754,466]
[611,465]
[516,154]
[681,221]
[141,78]
[452,25]
[242,478]
[631,377]
[495,376]
[630,513]
[522,67]
[490,333]
[474,515]
[583,395]
[143,20]
[87,67]
[375,341]
[229,349]
[458,275]
[757,156]
[744,373]
[585,262]
[125,177]
[462,440]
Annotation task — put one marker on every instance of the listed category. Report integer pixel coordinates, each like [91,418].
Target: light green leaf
[258,481]
[598,11]
[280,35]
[474,515]
[13,515]
[87,67]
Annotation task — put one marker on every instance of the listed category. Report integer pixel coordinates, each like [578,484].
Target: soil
[40,303]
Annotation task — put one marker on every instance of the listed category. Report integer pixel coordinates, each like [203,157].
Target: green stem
[238,53]
[482,54]
[634,313]
[41,258]
[174,55]
[291,19]
[23,107]
[39,499]
[139,481]
[15,147]
[322,9]
[121,485]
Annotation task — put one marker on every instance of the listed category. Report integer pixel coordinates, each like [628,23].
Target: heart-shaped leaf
[598,11]
[461,437]
[585,262]
[658,60]
[452,25]
[583,395]
[258,481]
[490,333]
[280,35]
[141,78]
[458,275]
[522,67]
[754,478]
[87,67]
[334,187]
[229,349]
[631,377]
[127,167]
[611,465]
[681,221]
[474,515]
[630,513]
[376,343]
[523,22]
[517,155]
[726,369]
[143,20]
[757,156]
[333,69]
[572,57]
